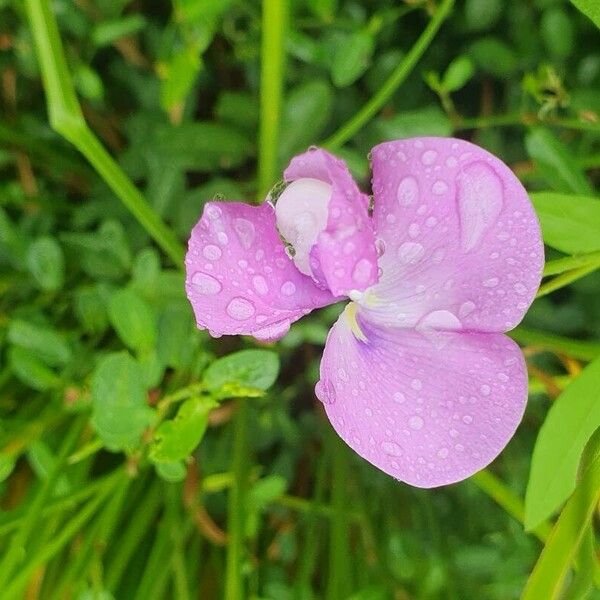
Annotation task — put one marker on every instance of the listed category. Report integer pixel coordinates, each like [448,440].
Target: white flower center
[301,214]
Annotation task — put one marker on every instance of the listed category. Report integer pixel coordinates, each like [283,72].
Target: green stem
[236,508]
[17,548]
[565,279]
[274,17]
[560,265]
[581,350]
[339,557]
[527,119]
[67,119]
[398,76]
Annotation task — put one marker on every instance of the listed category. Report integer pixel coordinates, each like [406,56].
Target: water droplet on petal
[491,282]
[480,199]
[429,157]
[408,191]
[288,288]
[520,288]
[325,391]
[416,422]
[362,271]
[439,187]
[245,231]
[416,384]
[410,253]
[213,212]
[206,284]
[212,252]
[222,238]
[414,230]
[439,319]
[240,309]
[466,308]
[443,452]
[485,390]
[399,397]
[391,448]
[260,284]
[272,332]
[468,419]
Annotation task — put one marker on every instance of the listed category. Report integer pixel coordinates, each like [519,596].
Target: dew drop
[206,284]
[410,253]
[491,282]
[362,271]
[240,309]
[272,332]
[416,422]
[325,391]
[429,157]
[416,384]
[408,191]
[414,230]
[439,187]
[399,397]
[368,412]
[485,390]
[466,308]
[245,231]
[480,200]
[443,452]
[260,284]
[288,288]
[213,212]
[222,238]
[520,288]
[439,319]
[380,247]
[431,222]
[468,419]
[212,252]
[391,448]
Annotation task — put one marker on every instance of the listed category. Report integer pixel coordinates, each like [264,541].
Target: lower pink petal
[239,279]
[426,408]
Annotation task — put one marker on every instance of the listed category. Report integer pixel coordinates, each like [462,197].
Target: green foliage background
[140,458]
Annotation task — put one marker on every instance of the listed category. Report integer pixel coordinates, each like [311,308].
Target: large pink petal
[461,238]
[239,279]
[426,410]
[344,257]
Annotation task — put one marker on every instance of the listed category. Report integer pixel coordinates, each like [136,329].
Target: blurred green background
[136,462]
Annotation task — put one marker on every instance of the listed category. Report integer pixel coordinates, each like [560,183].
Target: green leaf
[556,162]
[351,57]
[306,112]
[494,56]
[482,14]
[46,343]
[590,8]
[425,121]
[107,32]
[569,424]
[90,304]
[266,490]
[133,320]
[176,439]
[180,75]
[46,263]
[458,73]
[548,576]
[120,413]
[175,328]
[172,472]
[30,370]
[252,368]
[557,31]
[570,223]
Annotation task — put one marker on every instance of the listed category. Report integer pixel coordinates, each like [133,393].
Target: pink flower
[417,376]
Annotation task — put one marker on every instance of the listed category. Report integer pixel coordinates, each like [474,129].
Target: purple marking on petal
[344,255]
[239,279]
[426,415]
[461,236]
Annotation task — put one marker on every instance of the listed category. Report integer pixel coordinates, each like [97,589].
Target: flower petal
[239,279]
[344,257]
[461,237]
[427,412]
